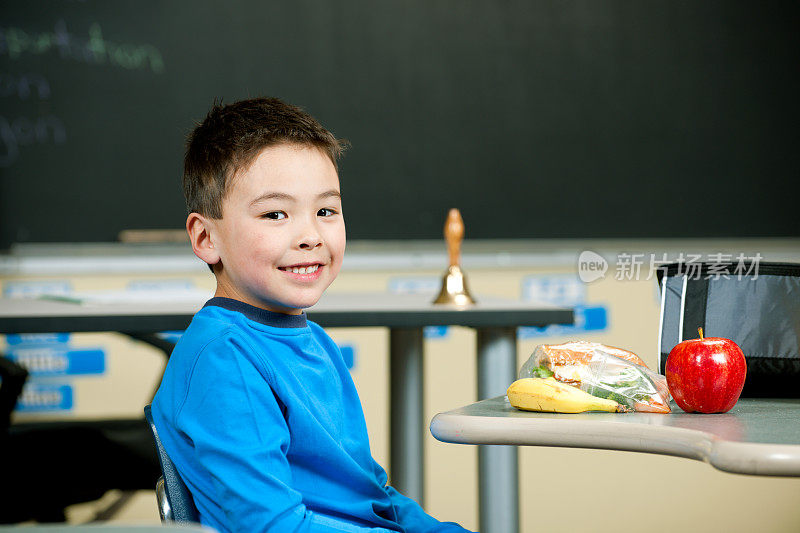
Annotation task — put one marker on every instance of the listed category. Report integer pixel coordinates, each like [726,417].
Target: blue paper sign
[32,289]
[160,285]
[435,332]
[415,285]
[348,354]
[563,289]
[36,339]
[41,397]
[569,291]
[586,319]
[171,336]
[46,361]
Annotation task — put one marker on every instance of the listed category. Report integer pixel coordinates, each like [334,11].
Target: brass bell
[454,283]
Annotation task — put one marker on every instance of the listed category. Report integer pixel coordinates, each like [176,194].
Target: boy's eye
[274,215]
[325,212]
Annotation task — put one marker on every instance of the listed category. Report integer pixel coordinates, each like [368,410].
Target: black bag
[757,305]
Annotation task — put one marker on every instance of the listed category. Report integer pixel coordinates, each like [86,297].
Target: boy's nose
[310,238]
[308,244]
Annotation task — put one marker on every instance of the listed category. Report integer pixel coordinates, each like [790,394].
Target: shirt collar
[257,314]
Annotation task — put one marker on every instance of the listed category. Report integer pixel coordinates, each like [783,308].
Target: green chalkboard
[657,118]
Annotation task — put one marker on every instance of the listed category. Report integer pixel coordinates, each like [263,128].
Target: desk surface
[334,310]
[756,437]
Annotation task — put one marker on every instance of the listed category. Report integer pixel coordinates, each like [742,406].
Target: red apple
[706,374]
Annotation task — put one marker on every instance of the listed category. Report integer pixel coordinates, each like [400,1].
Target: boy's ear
[200,231]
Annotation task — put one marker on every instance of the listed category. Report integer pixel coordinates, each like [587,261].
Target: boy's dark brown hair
[231,137]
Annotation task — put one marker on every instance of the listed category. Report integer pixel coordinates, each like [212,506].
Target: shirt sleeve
[410,514]
[241,439]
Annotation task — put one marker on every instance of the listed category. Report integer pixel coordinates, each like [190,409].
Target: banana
[550,396]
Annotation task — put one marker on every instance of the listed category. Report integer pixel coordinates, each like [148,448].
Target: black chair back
[756,304]
[12,380]
[180,506]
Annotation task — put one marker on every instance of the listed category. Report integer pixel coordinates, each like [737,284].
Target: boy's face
[281,237]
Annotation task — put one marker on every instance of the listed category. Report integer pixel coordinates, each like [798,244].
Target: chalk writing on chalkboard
[24,131]
[92,49]
[24,86]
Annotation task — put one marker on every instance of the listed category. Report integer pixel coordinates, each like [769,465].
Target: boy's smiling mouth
[305,270]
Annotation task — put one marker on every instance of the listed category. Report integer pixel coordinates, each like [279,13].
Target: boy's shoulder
[207,324]
[213,332]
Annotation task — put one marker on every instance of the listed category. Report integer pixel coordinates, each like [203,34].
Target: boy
[256,407]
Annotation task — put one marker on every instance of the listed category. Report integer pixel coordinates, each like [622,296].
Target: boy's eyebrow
[332,193]
[272,196]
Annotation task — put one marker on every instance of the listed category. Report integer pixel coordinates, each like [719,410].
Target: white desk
[760,437]
[495,320]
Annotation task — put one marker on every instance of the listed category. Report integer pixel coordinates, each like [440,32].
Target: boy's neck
[226,291]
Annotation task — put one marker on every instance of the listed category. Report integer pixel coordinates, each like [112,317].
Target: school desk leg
[498,477]
[407,426]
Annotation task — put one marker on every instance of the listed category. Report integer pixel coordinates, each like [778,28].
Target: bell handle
[454,234]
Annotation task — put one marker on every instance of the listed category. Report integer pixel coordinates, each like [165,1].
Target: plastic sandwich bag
[602,371]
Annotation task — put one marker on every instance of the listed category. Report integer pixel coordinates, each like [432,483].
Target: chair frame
[175,503]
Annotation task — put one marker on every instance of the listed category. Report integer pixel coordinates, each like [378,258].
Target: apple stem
[700,331]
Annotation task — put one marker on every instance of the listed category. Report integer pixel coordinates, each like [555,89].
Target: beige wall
[560,489]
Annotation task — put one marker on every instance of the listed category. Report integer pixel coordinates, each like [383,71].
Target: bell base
[454,289]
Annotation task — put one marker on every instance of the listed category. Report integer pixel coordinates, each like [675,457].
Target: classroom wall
[561,490]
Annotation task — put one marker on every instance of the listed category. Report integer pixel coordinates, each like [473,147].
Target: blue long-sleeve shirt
[261,417]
